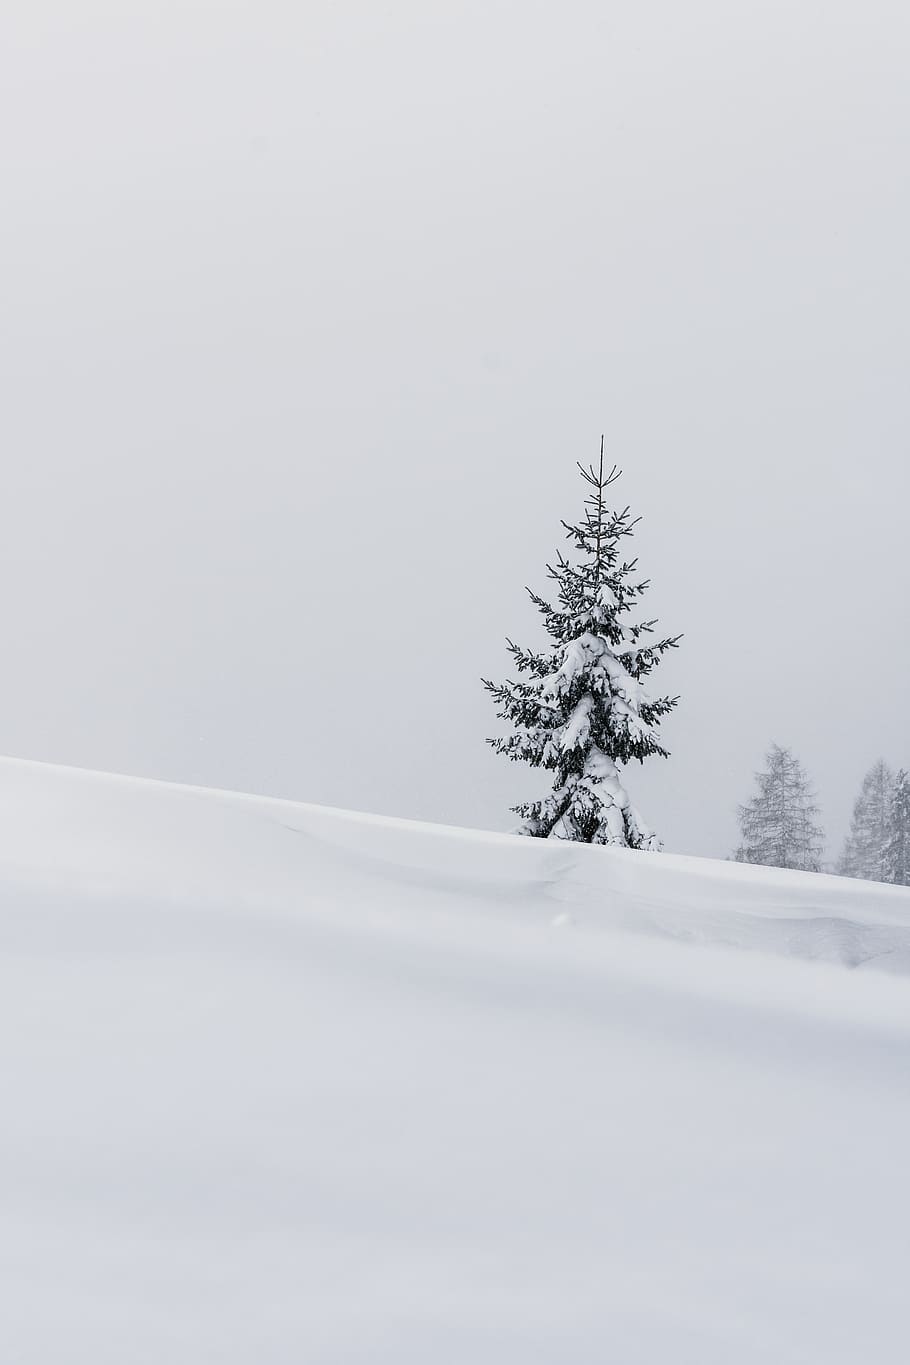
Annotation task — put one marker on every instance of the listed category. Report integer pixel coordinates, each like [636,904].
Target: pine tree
[897,852]
[583,712]
[864,852]
[778,825]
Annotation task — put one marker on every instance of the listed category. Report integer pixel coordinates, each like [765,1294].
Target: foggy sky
[308,312]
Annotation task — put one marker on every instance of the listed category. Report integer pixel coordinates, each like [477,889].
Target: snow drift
[284,1084]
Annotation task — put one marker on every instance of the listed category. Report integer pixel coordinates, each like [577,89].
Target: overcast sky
[308,311]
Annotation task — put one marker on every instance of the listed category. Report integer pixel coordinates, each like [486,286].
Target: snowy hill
[284,1084]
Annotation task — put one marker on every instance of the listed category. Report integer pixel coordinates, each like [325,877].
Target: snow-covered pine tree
[864,849]
[778,825]
[897,853]
[583,711]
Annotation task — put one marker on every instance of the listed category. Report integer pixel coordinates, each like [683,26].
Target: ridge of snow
[284,1083]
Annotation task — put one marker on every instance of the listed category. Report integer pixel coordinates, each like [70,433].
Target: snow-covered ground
[289,1085]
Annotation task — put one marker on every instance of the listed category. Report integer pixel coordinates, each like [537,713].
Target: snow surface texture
[284,1084]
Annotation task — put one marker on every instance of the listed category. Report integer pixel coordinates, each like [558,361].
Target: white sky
[310,309]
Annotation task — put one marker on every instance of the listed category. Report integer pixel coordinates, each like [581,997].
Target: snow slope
[286,1085]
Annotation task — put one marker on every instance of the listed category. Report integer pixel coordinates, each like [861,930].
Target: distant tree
[864,853]
[897,852]
[583,711]
[779,825]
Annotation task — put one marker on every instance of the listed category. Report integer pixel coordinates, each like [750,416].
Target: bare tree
[779,825]
[897,854]
[865,852]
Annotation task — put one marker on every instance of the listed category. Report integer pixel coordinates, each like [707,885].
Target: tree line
[581,709]
[779,825]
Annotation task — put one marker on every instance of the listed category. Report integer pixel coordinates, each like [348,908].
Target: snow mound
[286,1084]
